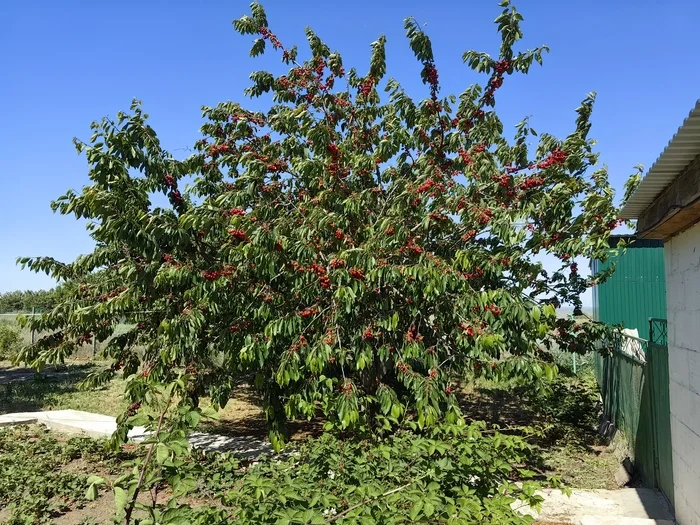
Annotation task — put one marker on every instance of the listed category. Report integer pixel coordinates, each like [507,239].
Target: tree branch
[132,503]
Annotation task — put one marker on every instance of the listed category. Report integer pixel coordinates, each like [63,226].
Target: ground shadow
[25,390]
[568,443]
[243,417]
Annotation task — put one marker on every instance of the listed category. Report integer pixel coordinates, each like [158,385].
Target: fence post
[33,312]
[94,345]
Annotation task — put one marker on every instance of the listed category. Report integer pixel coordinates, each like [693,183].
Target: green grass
[57,389]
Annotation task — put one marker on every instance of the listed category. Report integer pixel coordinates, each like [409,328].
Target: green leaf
[96,480]
[91,493]
[549,311]
[120,498]
[210,413]
[193,417]
[162,453]
[415,510]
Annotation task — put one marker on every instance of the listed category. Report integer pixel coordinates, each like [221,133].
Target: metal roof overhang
[681,150]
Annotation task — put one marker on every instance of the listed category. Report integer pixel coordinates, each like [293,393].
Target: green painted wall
[637,290]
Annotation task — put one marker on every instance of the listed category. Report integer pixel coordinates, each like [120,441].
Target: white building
[667,206]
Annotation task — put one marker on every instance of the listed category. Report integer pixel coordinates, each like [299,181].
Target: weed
[34,486]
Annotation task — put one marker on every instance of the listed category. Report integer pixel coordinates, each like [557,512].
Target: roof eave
[681,150]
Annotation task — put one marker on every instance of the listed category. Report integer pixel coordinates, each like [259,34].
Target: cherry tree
[351,250]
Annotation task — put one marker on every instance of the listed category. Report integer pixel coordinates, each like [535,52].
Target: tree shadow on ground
[25,390]
[567,443]
[243,416]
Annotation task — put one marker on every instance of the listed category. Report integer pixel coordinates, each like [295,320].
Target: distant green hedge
[24,301]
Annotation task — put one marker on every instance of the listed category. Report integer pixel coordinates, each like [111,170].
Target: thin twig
[130,508]
[368,500]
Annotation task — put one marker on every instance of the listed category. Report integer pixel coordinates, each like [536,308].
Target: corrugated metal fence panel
[635,292]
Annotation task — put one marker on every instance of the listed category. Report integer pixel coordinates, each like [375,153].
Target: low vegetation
[405,477]
[542,436]
[10,340]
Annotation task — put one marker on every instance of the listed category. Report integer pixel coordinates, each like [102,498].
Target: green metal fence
[657,363]
[637,289]
[634,386]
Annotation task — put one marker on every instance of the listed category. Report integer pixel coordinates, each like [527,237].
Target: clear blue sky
[64,67]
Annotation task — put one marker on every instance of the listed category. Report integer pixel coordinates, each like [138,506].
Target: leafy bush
[452,474]
[571,404]
[10,341]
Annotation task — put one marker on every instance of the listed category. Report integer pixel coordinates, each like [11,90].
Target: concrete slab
[8,420]
[612,506]
[75,422]
[101,426]
[242,446]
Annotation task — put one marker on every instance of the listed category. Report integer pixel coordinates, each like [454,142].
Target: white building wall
[682,258]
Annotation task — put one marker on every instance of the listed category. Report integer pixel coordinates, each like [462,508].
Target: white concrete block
[685,514]
[685,406]
[670,259]
[686,445]
[9,420]
[671,329]
[692,415]
[693,331]
[686,491]
[684,331]
[678,366]
[693,317]
[693,357]
[686,257]
[677,292]
[77,421]
[676,397]
[692,294]
[686,244]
